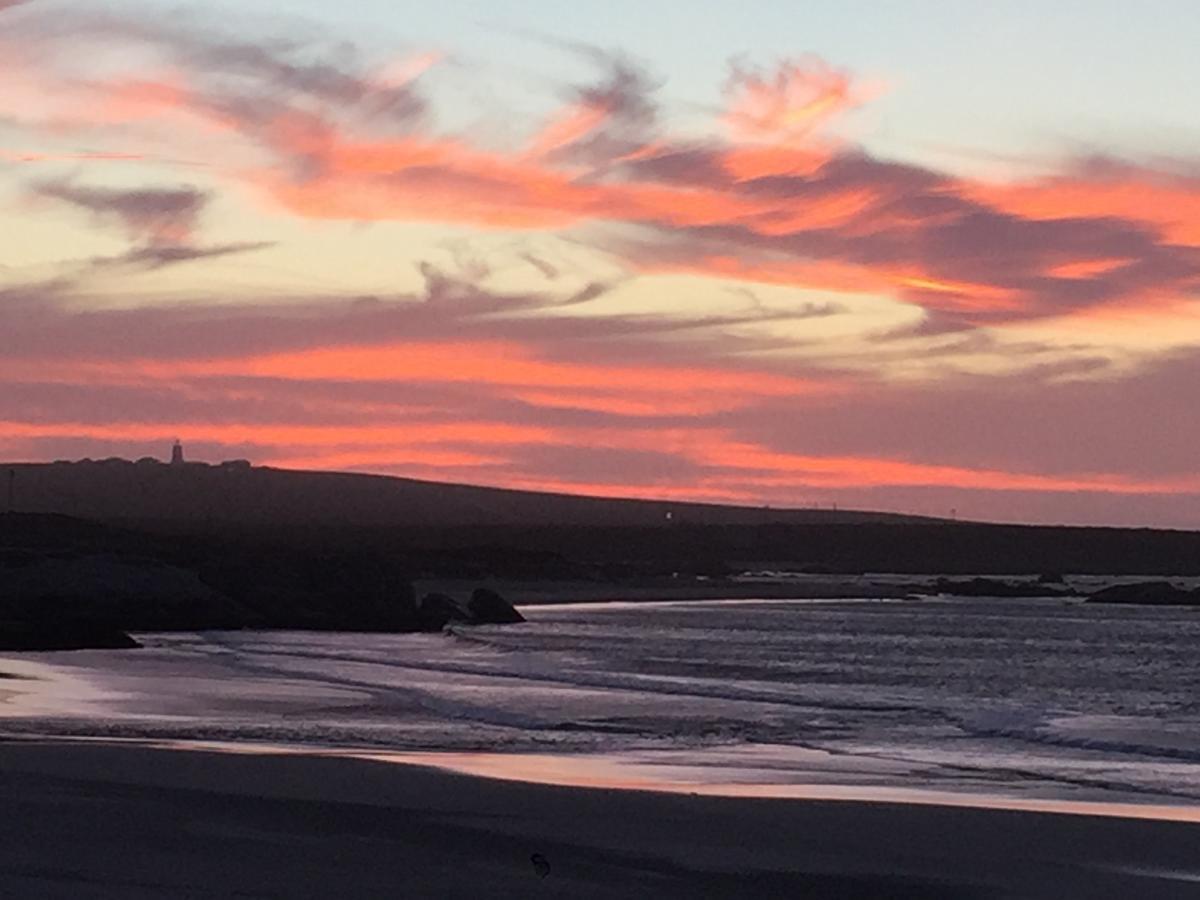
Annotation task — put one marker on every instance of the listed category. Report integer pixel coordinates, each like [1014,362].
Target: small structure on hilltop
[177,454]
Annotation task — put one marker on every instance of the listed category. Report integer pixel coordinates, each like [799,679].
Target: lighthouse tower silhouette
[177,454]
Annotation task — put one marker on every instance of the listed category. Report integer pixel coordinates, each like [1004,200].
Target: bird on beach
[540,865]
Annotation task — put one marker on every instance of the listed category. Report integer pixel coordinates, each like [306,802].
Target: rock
[129,594]
[992,587]
[488,607]
[436,611]
[47,636]
[1147,593]
[1051,578]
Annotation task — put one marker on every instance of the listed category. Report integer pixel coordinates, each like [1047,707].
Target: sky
[921,256]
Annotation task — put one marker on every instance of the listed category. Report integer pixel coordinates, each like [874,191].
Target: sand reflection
[643,773]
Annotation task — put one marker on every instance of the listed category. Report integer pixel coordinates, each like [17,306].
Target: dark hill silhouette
[147,491]
[190,515]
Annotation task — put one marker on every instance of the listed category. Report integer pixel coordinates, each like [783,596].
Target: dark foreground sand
[101,820]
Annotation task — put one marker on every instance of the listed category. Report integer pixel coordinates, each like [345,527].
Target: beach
[100,820]
[738,748]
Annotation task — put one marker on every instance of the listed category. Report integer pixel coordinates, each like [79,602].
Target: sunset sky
[898,255]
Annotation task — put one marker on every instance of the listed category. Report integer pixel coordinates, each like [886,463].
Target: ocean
[1025,701]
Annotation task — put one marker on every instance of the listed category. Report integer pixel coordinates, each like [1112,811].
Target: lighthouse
[177,454]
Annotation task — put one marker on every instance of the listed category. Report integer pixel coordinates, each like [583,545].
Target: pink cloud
[787,104]
[339,142]
[470,384]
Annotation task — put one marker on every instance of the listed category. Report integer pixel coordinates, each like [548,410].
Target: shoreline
[549,593]
[104,820]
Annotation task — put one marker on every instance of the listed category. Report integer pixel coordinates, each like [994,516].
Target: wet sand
[102,820]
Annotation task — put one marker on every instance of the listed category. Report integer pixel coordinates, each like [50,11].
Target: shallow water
[1026,699]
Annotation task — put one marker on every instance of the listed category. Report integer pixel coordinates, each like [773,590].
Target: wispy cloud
[160,222]
[342,143]
[574,379]
[157,216]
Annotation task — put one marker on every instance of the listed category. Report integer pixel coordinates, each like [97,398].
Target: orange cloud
[653,403]
[397,459]
[486,363]
[1088,268]
[768,197]
[734,466]
[1171,205]
[787,105]
[781,205]
[566,128]
[790,469]
[411,434]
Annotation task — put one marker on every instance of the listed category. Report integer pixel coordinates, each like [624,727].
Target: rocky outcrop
[436,611]
[485,607]
[89,599]
[1147,593]
[488,607]
[993,587]
[132,594]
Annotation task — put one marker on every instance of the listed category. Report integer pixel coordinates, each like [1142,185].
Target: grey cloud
[160,256]
[158,216]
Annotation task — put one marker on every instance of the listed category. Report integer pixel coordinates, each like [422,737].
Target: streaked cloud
[160,216]
[759,309]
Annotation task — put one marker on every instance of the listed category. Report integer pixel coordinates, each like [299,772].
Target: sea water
[1024,699]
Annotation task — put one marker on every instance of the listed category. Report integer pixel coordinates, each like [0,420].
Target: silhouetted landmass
[67,583]
[1147,593]
[239,494]
[430,530]
[150,547]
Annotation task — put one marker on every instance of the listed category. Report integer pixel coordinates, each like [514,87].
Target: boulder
[1147,593]
[488,607]
[436,611]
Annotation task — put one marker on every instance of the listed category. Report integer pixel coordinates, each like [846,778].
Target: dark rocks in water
[488,607]
[1147,593]
[485,607]
[436,611]
[48,636]
[248,589]
[47,590]
[992,587]
[1051,578]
